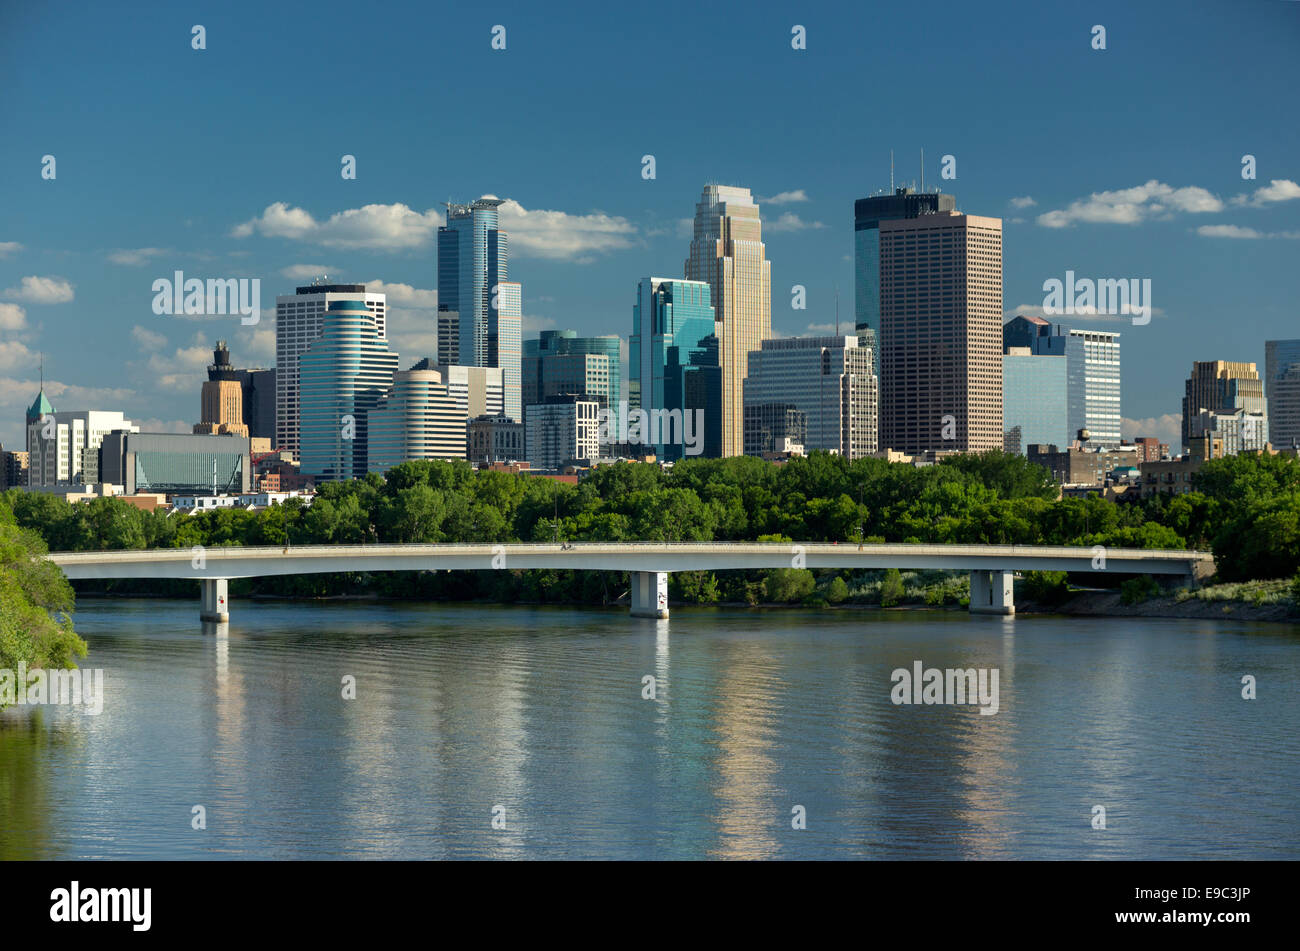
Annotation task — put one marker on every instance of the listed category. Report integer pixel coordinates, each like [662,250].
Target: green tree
[36,603]
[891,588]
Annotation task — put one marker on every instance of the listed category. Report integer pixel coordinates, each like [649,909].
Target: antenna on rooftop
[922,170]
[837,310]
[891,171]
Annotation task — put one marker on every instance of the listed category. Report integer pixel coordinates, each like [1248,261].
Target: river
[497,731]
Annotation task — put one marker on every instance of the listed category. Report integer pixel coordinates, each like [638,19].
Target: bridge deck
[250,562]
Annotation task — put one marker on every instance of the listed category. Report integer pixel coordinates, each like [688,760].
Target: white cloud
[183,370]
[148,339]
[404,295]
[42,290]
[1237,231]
[9,247]
[16,395]
[303,272]
[791,222]
[1167,428]
[827,329]
[376,227]
[12,317]
[1023,202]
[1279,189]
[1131,206]
[164,425]
[533,323]
[14,354]
[1025,310]
[785,198]
[558,235]
[133,257]
[412,333]
[1080,313]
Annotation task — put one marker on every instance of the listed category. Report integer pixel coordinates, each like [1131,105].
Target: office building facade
[63,447]
[1092,367]
[672,326]
[495,439]
[867,214]
[561,430]
[830,380]
[1282,391]
[1034,399]
[1227,389]
[473,281]
[417,418]
[300,320]
[941,333]
[176,463]
[774,428]
[559,361]
[343,374]
[728,254]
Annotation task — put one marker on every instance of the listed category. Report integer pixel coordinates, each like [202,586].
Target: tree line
[1246,509]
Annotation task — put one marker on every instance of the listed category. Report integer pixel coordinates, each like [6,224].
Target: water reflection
[460,709]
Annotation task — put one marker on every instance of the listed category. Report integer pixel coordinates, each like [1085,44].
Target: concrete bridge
[992,567]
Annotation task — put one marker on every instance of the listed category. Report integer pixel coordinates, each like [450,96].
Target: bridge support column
[215,602]
[992,592]
[649,594]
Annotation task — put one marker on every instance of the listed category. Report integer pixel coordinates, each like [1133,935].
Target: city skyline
[582,231]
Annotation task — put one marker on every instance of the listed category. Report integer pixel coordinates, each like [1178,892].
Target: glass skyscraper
[867,215]
[342,375]
[1282,388]
[473,282]
[1034,404]
[1092,374]
[728,254]
[673,337]
[559,361]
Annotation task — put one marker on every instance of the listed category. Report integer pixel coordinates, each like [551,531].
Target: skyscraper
[1282,389]
[829,380]
[472,281]
[476,391]
[727,253]
[221,398]
[344,372]
[1034,400]
[672,325]
[299,319]
[63,448]
[1226,399]
[867,215]
[559,361]
[941,333]
[417,419]
[1092,369]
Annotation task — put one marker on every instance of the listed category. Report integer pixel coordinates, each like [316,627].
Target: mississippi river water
[535,717]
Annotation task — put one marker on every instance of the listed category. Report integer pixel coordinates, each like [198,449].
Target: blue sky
[225,163]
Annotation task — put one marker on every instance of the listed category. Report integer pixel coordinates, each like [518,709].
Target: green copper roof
[40,407]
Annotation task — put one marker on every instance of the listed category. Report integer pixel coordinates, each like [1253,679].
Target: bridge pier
[649,595]
[992,592]
[215,601]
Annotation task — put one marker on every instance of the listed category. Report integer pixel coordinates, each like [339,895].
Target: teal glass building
[673,337]
[1035,400]
[553,365]
[342,376]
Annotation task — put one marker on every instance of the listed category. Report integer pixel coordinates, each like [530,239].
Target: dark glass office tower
[867,215]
